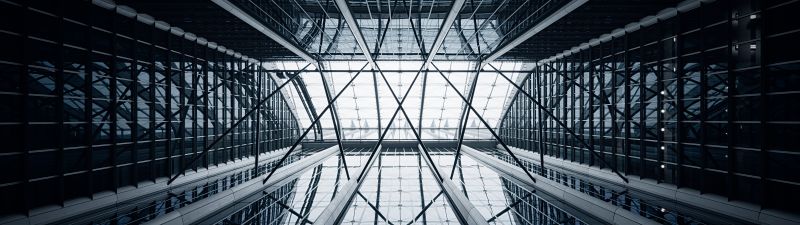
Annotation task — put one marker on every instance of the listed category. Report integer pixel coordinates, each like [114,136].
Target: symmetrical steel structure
[477,112]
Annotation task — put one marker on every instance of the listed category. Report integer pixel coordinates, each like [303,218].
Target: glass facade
[698,101]
[93,101]
[123,112]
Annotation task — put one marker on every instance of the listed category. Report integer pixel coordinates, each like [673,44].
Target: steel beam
[255,23]
[344,9]
[589,209]
[457,199]
[334,212]
[563,11]
[216,207]
[443,30]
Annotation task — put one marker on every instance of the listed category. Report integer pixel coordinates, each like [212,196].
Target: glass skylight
[366,106]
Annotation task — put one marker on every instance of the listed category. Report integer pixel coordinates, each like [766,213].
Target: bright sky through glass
[361,115]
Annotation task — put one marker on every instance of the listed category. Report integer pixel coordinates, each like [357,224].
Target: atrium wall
[702,100]
[94,102]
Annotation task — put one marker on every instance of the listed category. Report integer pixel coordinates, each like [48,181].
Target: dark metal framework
[698,100]
[94,101]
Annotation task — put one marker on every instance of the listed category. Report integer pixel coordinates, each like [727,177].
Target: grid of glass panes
[399,185]
[94,101]
[695,101]
[435,109]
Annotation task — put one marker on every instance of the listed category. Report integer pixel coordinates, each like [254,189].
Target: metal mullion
[214,58]
[613,102]
[112,108]
[679,101]
[590,116]
[181,104]
[627,102]
[168,108]
[59,90]
[134,109]
[525,123]
[227,102]
[544,96]
[703,104]
[27,187]
[565,89]
[541,121]
[575,107]
[643,117]
[207,103]
[661,92]
[256,144]
[582,112]
[601,86]
[152,105]
[763,111]
[195,79]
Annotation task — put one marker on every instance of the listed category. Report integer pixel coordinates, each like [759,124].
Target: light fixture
[663,166]
[662,129]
